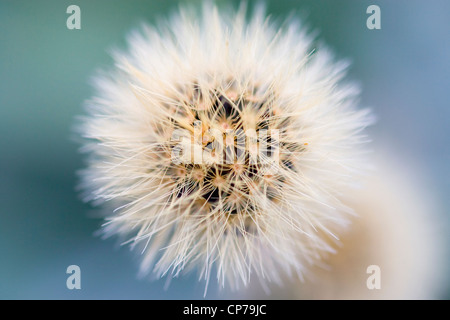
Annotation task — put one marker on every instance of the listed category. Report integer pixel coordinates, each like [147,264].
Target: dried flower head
[225,145]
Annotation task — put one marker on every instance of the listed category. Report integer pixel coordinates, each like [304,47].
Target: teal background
[45,69]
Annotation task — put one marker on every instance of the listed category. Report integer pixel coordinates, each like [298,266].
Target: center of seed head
[198,174]
[238,168]
[216,182]
[219,181]
[225,126]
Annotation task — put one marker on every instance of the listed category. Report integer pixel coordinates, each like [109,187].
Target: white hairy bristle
[184,86]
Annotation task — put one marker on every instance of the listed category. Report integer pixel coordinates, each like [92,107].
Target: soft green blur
[44,79]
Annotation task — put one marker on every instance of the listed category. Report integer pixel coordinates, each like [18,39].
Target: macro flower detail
[224,145]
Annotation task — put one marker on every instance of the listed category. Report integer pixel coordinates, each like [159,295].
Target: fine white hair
[226,71]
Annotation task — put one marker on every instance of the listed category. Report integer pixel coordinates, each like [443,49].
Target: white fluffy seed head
[211,74]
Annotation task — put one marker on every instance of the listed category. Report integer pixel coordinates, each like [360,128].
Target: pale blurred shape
[398,228]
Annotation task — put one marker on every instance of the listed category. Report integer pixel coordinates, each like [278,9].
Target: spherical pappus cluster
[224,144]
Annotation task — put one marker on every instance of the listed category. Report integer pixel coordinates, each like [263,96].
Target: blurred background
[404,71]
